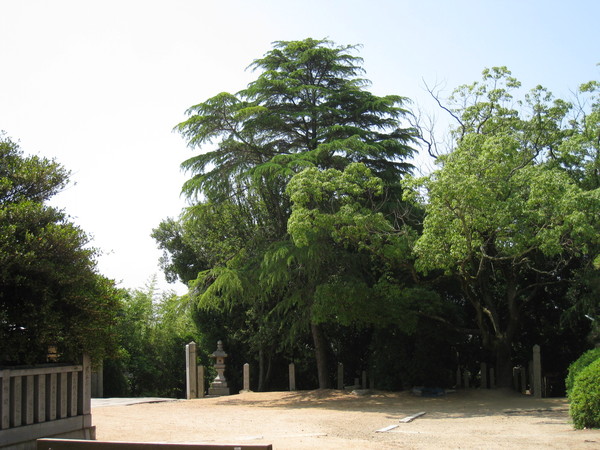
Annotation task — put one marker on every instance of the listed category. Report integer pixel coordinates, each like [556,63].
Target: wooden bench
[77,444]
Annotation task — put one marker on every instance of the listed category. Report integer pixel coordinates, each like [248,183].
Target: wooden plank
[388,428]
[46,369]
[411,418]
[51,396]
[74,444]
[72,397]
[16,402]
[16,436]
[40,399]
[86,387]
[29,399]
[4,399]
[63,393]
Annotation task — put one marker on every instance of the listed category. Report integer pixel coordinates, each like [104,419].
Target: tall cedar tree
[307,108]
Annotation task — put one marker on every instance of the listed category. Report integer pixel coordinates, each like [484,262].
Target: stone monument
[219,385]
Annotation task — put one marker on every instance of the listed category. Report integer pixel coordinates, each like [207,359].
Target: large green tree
[501,216]
[309,107]
[50,292]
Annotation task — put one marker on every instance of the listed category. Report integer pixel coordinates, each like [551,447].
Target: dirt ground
[468,419]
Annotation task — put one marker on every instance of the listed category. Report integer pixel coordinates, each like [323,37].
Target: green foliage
[577,367]
[501,215]
[307,109]
[585,397]
[152,332]
[50,292]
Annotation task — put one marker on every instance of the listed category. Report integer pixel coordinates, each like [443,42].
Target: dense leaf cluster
[585,397]
[307,234]
[50,292]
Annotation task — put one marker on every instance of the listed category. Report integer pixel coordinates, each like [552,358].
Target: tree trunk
[320,354]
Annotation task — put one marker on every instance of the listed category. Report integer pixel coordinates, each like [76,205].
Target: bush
[576,367]
[585,397]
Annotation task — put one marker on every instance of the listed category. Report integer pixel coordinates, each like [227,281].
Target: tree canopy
[307,112]
[50,292]
[501,214]
[307,231]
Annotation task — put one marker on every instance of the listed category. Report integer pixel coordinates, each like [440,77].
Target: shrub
[576,367]
[585,397]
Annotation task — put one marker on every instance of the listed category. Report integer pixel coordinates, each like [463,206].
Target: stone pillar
[537,372]
[364,379]
[523,380]
[246,378]
[340,376]
[292,372]
[191,380]
[219,385]
[484,384]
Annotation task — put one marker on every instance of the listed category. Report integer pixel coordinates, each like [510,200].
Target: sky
[100,85]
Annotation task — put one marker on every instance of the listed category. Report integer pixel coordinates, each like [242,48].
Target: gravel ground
[467,419]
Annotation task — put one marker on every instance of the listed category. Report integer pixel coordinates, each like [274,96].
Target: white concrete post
[247,377]
[191,371]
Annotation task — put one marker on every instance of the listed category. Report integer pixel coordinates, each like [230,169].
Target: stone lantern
[219,385]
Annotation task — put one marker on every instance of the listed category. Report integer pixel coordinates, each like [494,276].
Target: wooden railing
[74,444]
[45,401]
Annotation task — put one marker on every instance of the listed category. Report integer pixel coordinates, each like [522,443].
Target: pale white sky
[99,85]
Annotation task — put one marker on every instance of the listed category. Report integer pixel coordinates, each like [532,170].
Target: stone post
[340,377]
[537,372]
[246,377]
[292,372]
[219,385]
[484,384]
[523,380]
[191,380]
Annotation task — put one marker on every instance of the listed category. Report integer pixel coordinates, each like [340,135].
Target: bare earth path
[470,419]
